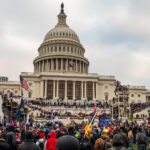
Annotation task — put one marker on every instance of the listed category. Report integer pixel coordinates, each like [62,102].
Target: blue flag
[52,118]
[21,108]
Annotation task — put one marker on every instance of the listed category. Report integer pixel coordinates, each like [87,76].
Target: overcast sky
[114,33]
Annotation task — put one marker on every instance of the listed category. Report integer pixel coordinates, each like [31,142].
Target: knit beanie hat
[67,142]
[117,139]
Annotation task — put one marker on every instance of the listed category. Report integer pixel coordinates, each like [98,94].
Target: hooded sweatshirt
[51,142]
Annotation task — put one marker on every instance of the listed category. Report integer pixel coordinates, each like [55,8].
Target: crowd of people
[136,107]
[58,136]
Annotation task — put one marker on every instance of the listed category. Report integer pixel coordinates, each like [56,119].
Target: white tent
[1,111]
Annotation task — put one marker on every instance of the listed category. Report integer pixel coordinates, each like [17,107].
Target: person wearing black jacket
[3,143]
[11,138]
[28,143]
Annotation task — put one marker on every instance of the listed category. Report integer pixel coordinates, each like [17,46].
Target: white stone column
[74,90]
[93,92]
[57,89]
[85,91]
[65,91]
[76,66]
[47,66]
[45,88]
[81,90]
[41,89]
[80,66]
[61,64]
[96,92]
[66,64]
[53,89]
[52,65]
[42,66]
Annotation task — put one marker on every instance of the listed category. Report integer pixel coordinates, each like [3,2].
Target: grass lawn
[135,147]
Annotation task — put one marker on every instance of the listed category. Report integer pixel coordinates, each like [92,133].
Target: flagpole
[90,123]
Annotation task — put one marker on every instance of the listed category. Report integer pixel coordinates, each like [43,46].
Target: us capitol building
[61,72]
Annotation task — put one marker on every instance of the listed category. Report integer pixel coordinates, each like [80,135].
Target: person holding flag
[24,85]
[89,127]
[21,108]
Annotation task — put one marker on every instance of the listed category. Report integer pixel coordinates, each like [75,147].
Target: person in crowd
[130,137]
[41,140]
[67,142]
[117,143]
[85,144]
[141,140]
[11,138]
[103,143]
[124,138]
[28,143]
[51,142]
[3,142]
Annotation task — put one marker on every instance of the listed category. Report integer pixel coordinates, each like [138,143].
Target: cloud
[115,34]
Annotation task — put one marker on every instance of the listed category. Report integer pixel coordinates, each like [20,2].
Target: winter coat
[4,145]
[11,138]
[28,145]
[51,142]
[125,139]
[100,142]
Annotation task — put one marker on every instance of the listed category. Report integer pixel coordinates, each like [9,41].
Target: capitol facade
[61,71]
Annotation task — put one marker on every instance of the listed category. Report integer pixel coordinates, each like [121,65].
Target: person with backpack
[117,143]
[141,140]
[11,138]
[51,142]
[3,142]
[124,138]
[28,144]
[103,143]
[41,140]
[130,137]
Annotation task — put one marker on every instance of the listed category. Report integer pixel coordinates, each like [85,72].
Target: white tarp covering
[1,111]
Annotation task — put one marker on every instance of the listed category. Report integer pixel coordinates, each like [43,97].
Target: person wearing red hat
[41,140]
[51,142]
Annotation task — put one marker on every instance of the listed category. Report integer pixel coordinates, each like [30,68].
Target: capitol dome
[61,32]
[61,50]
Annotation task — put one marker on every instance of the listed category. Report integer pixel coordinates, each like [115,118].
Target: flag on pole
[21,108]
[23,83]
[52,118]
[89,127]
[131,118]
[71,63]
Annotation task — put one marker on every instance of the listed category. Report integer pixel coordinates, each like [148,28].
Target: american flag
[71,62]
[23,83]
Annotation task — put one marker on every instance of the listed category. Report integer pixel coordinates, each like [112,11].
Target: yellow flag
[131,118]
[121,112]
[88,130]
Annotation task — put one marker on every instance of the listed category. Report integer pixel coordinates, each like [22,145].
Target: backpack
[106,145]
[140,138]
[41,145]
